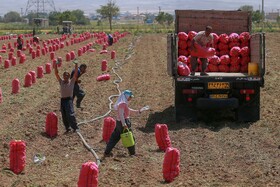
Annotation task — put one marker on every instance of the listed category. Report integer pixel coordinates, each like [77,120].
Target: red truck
[237,92]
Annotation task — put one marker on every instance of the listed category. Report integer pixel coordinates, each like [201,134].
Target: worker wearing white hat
[123,122]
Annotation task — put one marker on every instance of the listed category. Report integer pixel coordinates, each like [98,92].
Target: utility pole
[263,17]
[39,6]
[138,15]
[159,9]
[263,7]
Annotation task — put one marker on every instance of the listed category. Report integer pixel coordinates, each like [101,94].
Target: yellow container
[253,69]
[127,138]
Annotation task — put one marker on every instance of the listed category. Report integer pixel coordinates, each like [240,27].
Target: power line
[39,6]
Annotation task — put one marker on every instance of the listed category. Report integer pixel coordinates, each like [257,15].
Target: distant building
[41,22]
[272,16]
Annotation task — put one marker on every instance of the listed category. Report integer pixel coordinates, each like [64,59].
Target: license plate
[219,96]
[218,85]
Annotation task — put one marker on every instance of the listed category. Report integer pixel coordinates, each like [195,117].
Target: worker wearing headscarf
[122,122]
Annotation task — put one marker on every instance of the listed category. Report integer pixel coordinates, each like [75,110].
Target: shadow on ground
[212,120]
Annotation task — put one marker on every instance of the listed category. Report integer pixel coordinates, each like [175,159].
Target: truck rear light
[247,91]
[189,91]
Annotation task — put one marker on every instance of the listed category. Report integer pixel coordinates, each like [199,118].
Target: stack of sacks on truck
[232,51]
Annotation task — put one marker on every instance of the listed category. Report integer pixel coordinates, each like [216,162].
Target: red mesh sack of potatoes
[217,52]
[224,59]
[183,69]
[222,46]
[202,52]
[235,60]
[182,44]
[171,164]
[233,44]
[189,43]
[103,77]
[213,68]
[28,80]
[189,59]
[244,37]
[234,68]
[223,38]
[183,52]
[215,60]
[183,59]
[244,44]
[17,156]
[235,51]
[244,51]
[162,137]
[216,38]
[15,86]
[191,35]
[88,175]
[224,52]
[182,36]
[244,68]
[109,125]
[223,68]
[233,37]
[245,60]
[51,126]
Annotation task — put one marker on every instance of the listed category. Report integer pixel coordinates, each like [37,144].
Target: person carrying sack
[122,122]
[202,39]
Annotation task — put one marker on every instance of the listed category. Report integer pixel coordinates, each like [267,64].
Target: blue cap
[128,93]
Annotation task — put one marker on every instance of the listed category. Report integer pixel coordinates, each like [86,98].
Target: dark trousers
[116,136]
[110,41]
[68,114]
[19,47]
[194,63]
[79,93]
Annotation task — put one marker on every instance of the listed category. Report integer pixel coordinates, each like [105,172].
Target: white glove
[144,108]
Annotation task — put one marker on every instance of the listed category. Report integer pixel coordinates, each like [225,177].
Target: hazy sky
[89,6]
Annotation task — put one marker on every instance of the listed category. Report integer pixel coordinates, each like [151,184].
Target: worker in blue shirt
[78,92]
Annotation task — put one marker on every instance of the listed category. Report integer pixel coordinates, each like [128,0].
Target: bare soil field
[215,151]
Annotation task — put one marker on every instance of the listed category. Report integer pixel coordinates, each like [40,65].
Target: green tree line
[55,18]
